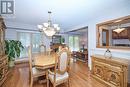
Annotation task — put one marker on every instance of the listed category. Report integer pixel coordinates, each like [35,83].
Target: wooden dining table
[44,61]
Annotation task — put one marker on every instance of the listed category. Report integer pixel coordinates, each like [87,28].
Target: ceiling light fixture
[48,28]
[119,29]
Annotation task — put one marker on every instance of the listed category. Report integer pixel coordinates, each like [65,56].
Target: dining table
[44,61]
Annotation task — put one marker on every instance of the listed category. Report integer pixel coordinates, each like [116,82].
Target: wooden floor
[79,77]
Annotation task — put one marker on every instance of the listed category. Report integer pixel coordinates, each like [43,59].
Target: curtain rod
[78,29]
[20,29]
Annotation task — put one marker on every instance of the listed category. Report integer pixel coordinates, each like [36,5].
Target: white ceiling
[67,13]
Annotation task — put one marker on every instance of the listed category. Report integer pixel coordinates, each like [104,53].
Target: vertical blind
[74,43]
[29,39]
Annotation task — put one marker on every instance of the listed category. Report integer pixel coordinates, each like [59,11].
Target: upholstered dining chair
[33,71]
[61,72]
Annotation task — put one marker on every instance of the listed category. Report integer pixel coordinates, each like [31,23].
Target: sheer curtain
[74,43]
[29,39]
[36,42]
[25,38]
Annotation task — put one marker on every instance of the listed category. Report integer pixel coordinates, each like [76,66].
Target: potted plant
[62,40]
[12,50]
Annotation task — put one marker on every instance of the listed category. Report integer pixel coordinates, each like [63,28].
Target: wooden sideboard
[112,72]
[82,56]
[3,57]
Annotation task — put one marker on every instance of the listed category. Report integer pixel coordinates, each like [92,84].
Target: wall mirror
[114,33]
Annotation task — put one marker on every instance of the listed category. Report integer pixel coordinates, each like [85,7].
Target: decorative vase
[11,63]
[108,54]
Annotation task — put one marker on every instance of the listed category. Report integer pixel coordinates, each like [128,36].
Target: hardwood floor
[79,77]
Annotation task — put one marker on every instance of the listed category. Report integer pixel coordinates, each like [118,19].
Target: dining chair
[61,72]
[33,71]
[59,49]
[42,48]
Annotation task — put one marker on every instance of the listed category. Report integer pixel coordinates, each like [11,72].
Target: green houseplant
[62,40]
[12,49]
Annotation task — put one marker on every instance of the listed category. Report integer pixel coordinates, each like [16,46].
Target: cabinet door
[113,76]
[1,74]
[98,70]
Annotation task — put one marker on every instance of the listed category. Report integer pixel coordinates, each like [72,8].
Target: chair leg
[47,78]
[47,83]
[31,83]
[54,85]
[68,83]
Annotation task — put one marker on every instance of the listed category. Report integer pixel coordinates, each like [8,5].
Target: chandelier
[119,29]
[48,28]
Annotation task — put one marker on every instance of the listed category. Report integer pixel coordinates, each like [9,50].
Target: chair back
[42,48]
[63,61]
[59,49]
[67,47]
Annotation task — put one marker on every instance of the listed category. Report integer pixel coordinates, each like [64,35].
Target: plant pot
[11,63]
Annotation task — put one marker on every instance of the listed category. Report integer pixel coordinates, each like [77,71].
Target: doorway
[78,43]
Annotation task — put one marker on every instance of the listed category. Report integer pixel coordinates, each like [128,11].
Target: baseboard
[21,61]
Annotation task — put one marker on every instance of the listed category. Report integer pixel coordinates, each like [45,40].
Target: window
[29,39]
[74,43]
[105,37]
[36,41]
[25,40]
